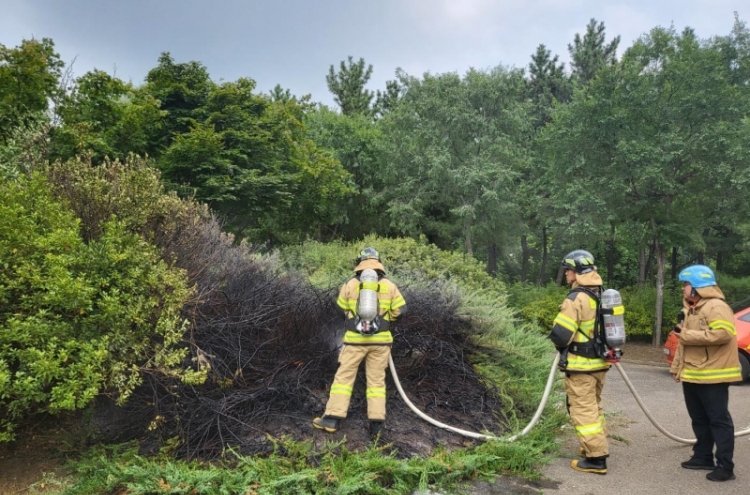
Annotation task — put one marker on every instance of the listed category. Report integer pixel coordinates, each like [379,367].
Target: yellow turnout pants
[584,398]
[376,360]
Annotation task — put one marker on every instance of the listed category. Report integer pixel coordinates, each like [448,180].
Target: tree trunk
[492,259]
[650,260]
[611,255]
[673,263]
[467,237]
[720,257]
[641,267]
[545,257]
[560,276]
[660,262]
[524,258]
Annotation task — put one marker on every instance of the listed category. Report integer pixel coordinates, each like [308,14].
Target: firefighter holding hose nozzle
[371,305]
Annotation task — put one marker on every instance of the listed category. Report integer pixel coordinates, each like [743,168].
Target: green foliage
[355,141]
[540,305]
[590,53]
[105,117]
[25,148]
[329,264]
[130,190]
[453,149]
[735,289]
[78,318]
[182,90]
[639,310]
[251,160]
[348,87]
[300,468]
[29,77]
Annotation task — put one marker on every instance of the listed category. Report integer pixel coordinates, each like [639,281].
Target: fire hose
[542,404]
[471,434]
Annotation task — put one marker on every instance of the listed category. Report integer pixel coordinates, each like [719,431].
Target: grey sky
[293,42]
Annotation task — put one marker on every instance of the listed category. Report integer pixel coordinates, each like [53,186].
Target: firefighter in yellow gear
[706,362]
[585,372]
[373,348]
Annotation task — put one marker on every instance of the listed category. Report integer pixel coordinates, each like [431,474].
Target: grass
[300,468]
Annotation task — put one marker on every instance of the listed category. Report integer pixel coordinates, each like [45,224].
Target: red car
[741,324]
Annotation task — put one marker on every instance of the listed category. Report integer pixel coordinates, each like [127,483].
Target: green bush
[330,264]
[734,288]
[540,305]
[640,310]
[77,318]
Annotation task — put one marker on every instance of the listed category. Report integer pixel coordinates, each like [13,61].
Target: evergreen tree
[547,84]
[590,53]
[385,101]
[348,86]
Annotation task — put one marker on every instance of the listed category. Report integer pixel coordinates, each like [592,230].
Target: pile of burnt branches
[270,341]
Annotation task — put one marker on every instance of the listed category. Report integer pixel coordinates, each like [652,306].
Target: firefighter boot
[375,428]
[596,465]
[327,423]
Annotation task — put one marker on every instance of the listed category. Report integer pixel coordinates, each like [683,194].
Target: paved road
[642,460]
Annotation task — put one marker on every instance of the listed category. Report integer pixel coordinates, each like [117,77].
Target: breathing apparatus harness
[609,329]
[367,321]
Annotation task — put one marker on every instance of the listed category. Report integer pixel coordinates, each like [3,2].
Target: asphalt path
[642,460]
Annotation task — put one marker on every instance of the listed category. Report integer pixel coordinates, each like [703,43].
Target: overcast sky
[293,42]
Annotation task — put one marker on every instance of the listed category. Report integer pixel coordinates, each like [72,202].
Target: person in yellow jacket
[706,362]
[585,373]
[374,349]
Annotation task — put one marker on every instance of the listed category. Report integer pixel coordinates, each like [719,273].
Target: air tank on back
[614,324]
[367,304]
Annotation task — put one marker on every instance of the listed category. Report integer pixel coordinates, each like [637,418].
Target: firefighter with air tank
[588,331]
[371,305]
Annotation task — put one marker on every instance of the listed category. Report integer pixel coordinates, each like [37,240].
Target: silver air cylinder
[367,304]
[614,324]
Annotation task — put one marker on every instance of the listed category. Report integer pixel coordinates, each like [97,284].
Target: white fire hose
[542,404]
[537,414]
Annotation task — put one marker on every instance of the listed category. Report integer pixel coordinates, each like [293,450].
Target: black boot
[596,465]
[327,423]
[375,428]
[695,463]
[720,474]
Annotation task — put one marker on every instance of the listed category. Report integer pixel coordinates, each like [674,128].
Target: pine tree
[547,84]
[348,86]
[590,53]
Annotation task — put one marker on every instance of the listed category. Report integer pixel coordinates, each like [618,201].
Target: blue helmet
[698,276]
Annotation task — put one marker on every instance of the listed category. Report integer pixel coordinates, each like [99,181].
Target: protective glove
[678,326]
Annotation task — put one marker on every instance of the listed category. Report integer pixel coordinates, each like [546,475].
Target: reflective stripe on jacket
[707,349]
[577,315]
[390,302]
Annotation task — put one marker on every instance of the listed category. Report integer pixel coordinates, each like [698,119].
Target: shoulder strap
[597,323]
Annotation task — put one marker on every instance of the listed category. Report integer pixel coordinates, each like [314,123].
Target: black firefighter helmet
[579,261]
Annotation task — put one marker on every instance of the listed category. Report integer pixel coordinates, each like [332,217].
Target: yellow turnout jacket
[707,349]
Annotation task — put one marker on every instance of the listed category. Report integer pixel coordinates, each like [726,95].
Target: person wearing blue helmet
[706,362]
